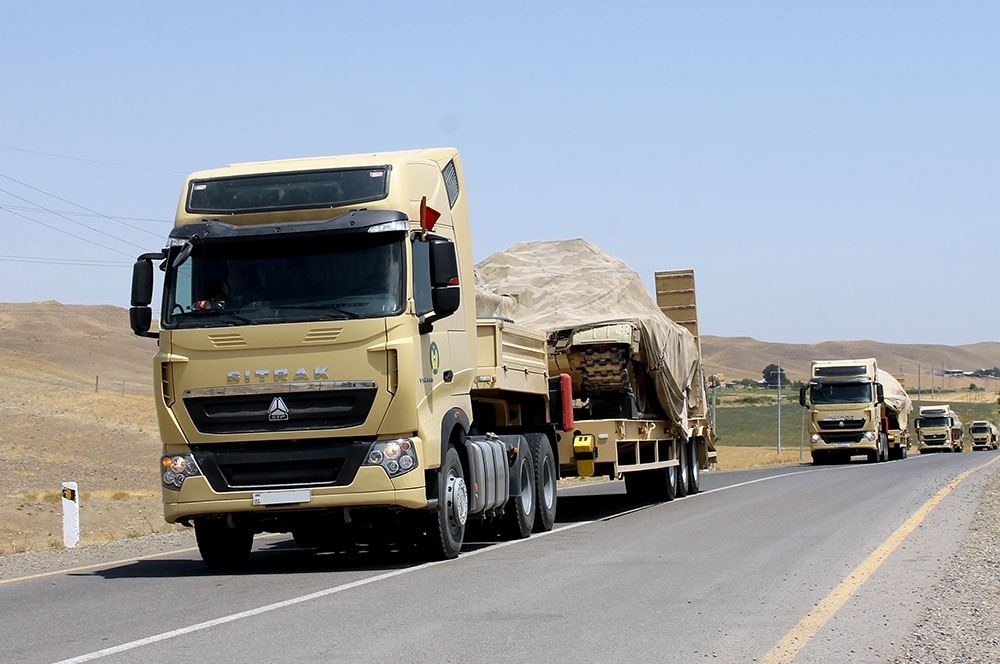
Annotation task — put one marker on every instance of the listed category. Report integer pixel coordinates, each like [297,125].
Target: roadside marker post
[71,514]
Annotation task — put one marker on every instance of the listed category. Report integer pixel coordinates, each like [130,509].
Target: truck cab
[938,429]
[983,434]
[849,414]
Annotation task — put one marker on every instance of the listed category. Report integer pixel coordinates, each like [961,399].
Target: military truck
[938,429]
[640,412]
[855,408]
[983,434]
[321,370]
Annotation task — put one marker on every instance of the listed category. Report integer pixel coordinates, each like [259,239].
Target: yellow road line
[800,635]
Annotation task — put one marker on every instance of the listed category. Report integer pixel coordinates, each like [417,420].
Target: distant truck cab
[938,429]
[984,435]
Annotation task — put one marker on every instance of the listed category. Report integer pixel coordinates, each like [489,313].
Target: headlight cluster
[816,438]
[870,435]
[176,468]
[395,456]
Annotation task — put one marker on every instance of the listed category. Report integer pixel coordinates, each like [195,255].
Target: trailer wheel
[520,510]
[652,486]
[681,471]
[545,481]
[223,547]
[447,525]
[694,471]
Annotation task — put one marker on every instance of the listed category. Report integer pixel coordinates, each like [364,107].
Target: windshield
[931,422]
[980,429]
[832,393]
[250,281]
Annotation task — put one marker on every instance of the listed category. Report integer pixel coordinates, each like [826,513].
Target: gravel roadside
[960,619]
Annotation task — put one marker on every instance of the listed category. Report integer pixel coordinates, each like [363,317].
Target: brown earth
[76,403]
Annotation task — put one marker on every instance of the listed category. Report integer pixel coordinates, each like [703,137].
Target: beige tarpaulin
[571,284]
[895,397]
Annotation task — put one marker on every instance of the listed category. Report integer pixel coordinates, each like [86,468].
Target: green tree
[773,373]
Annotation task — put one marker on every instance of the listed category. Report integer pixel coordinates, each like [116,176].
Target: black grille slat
[846,423]
[248,413]
[277,464]
[843,437]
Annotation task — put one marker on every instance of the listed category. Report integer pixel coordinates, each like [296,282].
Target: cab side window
[422,277]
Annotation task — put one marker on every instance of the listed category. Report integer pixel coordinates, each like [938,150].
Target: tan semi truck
[938,429]
[855,408]
[984,435]
[640,412]
[322,370]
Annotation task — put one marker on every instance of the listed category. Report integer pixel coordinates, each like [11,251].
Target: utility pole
[779,409]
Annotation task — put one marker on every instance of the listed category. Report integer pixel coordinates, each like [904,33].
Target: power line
[71,220]
[89,161]
[65,232]
[35,208]
[82,207]
[52,260]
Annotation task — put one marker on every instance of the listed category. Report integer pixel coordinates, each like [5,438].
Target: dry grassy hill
[57,427]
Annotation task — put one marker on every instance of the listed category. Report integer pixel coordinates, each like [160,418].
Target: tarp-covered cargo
[575,292]
[896,397]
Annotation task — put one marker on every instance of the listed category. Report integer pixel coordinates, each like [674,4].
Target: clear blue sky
[830,170]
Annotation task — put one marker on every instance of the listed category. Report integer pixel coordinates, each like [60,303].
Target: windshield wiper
[343,313]
[220,315]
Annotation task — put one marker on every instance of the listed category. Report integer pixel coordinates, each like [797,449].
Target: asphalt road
[777,557]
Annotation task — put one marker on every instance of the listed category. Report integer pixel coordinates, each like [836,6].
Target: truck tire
[681,471]
[447,524]
[545,481]
[223,547]
[694,471]
[520,510]
[658,485]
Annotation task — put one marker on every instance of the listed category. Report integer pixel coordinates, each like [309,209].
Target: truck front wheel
[447,525]
[223,546]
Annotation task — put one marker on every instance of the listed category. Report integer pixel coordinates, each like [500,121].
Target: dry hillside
[57,427]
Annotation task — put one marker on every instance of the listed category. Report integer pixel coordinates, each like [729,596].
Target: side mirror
[140,315]
[879,393]
[446,293]
[802,395]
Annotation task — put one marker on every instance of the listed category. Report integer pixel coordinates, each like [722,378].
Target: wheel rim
[527,489]
[458,500]
[548,488]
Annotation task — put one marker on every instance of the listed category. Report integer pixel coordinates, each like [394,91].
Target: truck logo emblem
[435,355]
[277,411]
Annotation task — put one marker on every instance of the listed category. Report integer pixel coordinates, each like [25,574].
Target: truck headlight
[396,457]
[815,439]
[175,468]
[870,435]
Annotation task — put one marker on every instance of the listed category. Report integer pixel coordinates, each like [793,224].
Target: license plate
[842,444]
[289,497]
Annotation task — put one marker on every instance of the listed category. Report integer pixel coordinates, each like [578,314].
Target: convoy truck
[640,412]
[322,371]
[983,434]
[855,408]
[938,429]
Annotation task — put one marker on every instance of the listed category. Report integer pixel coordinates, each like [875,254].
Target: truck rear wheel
[682,470]
[447,525]
[223,547]
[694,471]
[545,481]
[520,509]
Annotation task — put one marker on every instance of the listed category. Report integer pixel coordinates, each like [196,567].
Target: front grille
[934,437]
[834,437]
[842,423]
[262,412]
[275,464]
